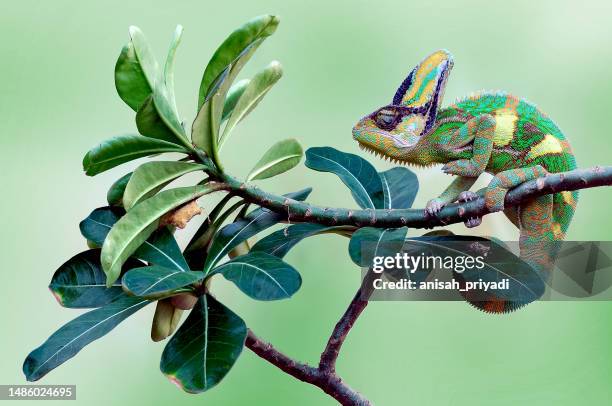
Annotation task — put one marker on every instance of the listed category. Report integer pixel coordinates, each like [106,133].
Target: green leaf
[253,32]
[233,234]
[169,66]
[138,224]
[400,187]
[124,148]
[80,281]
[255,91]
[169,115]
[114,196]
[280,158]
[280,242]
[261,276]
[145,57]
[130,80]
[233,94]
[154,282]
[66,342]
[205,347]
[159,249]
[356,173]
[150,123]
[165,319]
[149,178]
[368,242]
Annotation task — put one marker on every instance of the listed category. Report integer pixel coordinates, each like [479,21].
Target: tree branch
[327,381]
[416,218]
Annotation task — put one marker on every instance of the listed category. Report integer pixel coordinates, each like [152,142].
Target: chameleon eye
[386,119]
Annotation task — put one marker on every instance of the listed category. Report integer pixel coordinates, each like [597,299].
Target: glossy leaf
[153,282]
[281,157]
[233,94]
[66,342]
[233,234]
[261,276]
[253,32]
[150,123]
[255,91]
[147,61]
[159,249]
[114,196]
[205,347]
[368,242]
[138,224]
[130,80]
[124,148]
[205,127]
[169,66]
[357,174]
[165,319]
[400,187]
[149,178]
[169,115]
[80,281]
[280,242]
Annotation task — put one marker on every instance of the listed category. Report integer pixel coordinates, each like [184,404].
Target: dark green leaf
[368,242]
[253,32]
[159,249]
[81,283]
[233,234]
[261,276]
[149,178]
[356,173]
[257,88]
[280,242]
[135,227]
[114,196]
[205,347]
[400,187]
[130,80]
[124,148]
[280,158]
[154,282]
[150,124]
[66,342]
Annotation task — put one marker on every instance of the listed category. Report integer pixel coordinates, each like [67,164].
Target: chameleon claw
[433,207]
[473,222]
[468,196]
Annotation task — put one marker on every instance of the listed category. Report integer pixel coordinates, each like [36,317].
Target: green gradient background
[342,60]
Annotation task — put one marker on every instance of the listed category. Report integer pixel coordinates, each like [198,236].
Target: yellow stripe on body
[549,145]
[505,125]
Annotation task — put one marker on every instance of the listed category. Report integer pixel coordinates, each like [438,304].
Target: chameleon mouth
[392,159]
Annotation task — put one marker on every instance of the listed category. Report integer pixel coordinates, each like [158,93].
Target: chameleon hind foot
[468,196]
[434,206]
[495,193]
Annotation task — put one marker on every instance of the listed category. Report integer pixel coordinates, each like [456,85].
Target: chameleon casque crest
[492,132]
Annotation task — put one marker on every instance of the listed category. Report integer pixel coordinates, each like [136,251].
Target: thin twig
[416,218]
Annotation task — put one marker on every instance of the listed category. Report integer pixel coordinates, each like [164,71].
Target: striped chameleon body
[490,132]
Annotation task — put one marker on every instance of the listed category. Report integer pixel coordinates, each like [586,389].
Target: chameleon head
[399,130]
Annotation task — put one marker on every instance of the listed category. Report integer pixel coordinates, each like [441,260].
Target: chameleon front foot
[434,206]
[468,196]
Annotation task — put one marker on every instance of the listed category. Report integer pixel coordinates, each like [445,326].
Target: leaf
[356,173]
[280,242]
[160,249]
[167,112]
[154,282]
[138,224]
[233,94]
[368,242]
[233,234]
[149,178]
[80,281]
[280,158]
[257,88]
[253,32]
[261,276]
[124,148]
[165,320]
[114,196]
[145,57]
[400,187]
[205,347]
[169,66]
[66,342]
[150,123]
[130,80]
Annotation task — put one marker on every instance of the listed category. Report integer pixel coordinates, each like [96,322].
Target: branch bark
[416,218]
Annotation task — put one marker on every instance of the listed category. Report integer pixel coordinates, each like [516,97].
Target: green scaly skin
[490,132]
